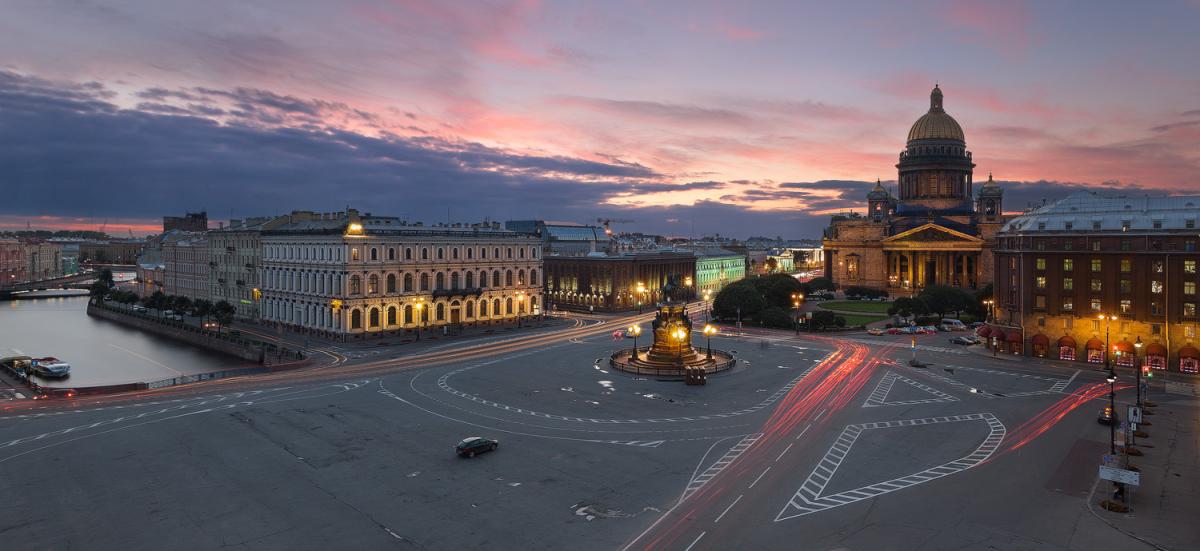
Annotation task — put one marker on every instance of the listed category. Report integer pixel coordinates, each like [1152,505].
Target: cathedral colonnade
[907,269]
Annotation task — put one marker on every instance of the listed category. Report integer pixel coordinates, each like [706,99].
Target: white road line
[809,426]
[820,414]
[693,544]
[764,473]
[722,515]
[785,450]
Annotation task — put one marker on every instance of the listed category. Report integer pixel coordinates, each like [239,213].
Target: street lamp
[520,307]
[420,307]
[707,295]
[1137,368]
[1107,327]
[679,335]
[635,330]
[989,302]
[709,331]
[1112,405]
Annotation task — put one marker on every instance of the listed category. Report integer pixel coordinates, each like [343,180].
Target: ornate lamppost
[709,331]
[707,295]
[1137,368]
[680,335]
[635,330]
[420,309]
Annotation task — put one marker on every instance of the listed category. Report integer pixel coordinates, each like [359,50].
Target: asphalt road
[809,443]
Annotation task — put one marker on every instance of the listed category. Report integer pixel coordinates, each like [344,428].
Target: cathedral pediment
[932,233]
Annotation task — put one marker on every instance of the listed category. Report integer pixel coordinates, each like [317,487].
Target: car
[874,331]
[51,368]
[176,317]
[473,445]
[44,393]
[139,308]
[962,340]
[1107,416]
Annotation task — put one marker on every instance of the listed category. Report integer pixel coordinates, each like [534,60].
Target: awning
[1067,342]
[1189,351]
[1094,344]
[998,334]
[1125,347]
[984,331]
[1041,340]
[1014,336]
[1156,349]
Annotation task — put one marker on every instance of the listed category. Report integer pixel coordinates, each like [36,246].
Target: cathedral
[938,231]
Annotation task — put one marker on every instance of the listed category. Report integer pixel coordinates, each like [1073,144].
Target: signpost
[1121,476]
[1135,415]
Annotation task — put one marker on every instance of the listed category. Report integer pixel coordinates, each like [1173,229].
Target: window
[1041,321]
[424,253]
[1070,244]
[1158,224]
[441,253]
[454,280]
[1126,245]
[482,278]
[1155,329]
[356,319]
[470,277]
[1068,264]
[374,318]
[1096,305]
[1190,223]
[1069,226]
[510,256]
[1096,264]
[533,252]
[391,253]
[441,312]
[424,282]
[354,254]
[1125,225]
[483,303]
[521,276]
[1156,287]
[1189,309]
[391,315]
[355,285]
[1126,285]
[391,283]
[1068,284]
[1039,301]
[373,284]
[408,253]
[1041,263]
[470,305]
[1126,265]
[1189,266]
[496,278]
[408,283]
[482,254]
[408,313]
[1189,287]
[1096,284]
[1126,306]
[1095,326]
[533,280]
[496,254]
[1189,331]
[1068,304]
[454,253]
[439,282]
[470,255]
[1095,224]
[1157,266]
[521,253]
[508,279]
[508,305]
[374,254]
[1041,282]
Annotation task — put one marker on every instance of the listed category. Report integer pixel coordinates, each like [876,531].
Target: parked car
[51,368]
[874,331]
[952,325]
[474,445]
[1107,416]
[962,340]
[139,308]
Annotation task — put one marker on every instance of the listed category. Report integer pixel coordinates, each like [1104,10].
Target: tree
[822,319]
[908,306]
[774,316]
[942,299]
[740,295]
[778,289]
[157,301]
[223,312]
[202,308]
[181,304]
[106,277]
[772,265]
[822,284]
[98,289]
[800,258]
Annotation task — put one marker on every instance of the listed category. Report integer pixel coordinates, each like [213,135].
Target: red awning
[1067,341]
[984,331]
[1189,351]
[1094,344]
[998,334]
[1156,349]
[1041,340]
[1014,336]
[1125,347]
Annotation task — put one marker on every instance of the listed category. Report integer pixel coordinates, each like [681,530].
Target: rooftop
[1099,211]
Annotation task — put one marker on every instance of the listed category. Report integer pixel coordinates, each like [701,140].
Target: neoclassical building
[940,230]
[346,275]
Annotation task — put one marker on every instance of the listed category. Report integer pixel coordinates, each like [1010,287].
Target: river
[100,352]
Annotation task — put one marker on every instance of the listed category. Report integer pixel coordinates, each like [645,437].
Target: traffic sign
[1135,414]
[1132,478]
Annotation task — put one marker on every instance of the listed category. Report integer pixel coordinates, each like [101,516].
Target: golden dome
[936,124]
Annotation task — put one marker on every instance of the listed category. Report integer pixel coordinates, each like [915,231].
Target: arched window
[483,308]
[508,280]
[408,316]
[391,283]
[391,253]
[391,315]
[439,281]
[408,283]
[510,252]
[441,312]
[482,252]
[374,253]
[496,307]
[521,276]
[533,280]
[454,280]
[454,253]
[533,252]
[496,278]
[496,252]
[470,307]
[469,282]
[408,253]
[424,253]
[373,318]
[355,285]
[356,319]
[482,279]
[470,253]
[424,282]
[373,284]
[508,305]
[441,253]
[354,254]
[521,252]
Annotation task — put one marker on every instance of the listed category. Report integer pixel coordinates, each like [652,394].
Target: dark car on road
[963,340]
[474,445]
[1107,416]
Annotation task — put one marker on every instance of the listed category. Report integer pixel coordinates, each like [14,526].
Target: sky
[681,118]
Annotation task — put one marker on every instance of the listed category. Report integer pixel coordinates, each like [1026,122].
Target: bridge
[63,282]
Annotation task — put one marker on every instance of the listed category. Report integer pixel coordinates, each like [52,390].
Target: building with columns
[616,282]
[349,275]
[938,231]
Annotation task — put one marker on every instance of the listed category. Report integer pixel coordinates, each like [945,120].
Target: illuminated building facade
[615,282]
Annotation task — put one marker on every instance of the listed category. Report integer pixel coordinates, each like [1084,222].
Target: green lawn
[853,320]
[867,307]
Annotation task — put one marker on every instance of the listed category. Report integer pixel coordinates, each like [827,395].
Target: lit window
[1041,263]
[1068,304]
[1156,287]
[1068,283]
[1096,264]
[1096,305]
[1189,309]
[1041,282]
[1068,264]
[1097,285]
[1189,287]
[1126,265]
[1189,266]
[1158,266]
[1189,331]
[1126,306]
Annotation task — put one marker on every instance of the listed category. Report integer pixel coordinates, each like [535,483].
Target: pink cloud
[737,33]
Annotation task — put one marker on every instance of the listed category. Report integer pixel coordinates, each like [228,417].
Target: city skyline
[715,118]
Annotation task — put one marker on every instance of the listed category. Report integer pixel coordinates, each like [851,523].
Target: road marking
[806,427]
[820,414]
[877,397]
[785,450]
[713,470]
[693,544]
[1059,387]
[722,515]
[764,473]
[808,499]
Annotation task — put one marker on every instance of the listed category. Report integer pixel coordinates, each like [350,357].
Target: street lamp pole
[708,333]
[420,309]
[635,330]
[1137,367]
[1112,404]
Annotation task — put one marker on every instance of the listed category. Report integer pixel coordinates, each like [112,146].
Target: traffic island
[672,356]
[1114,506]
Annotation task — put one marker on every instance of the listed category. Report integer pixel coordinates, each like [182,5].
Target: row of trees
[221,311]
[766,300]
[941,300]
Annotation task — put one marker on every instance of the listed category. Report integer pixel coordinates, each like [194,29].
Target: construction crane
[606,221]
